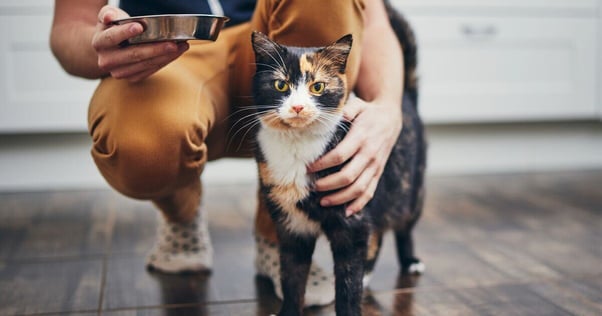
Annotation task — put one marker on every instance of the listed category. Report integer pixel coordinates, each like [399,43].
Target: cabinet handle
[480,32]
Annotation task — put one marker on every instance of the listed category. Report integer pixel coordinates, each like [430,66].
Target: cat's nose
[297,108]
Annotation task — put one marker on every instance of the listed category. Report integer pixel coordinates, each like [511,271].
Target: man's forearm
[72,47]
[381,67]
[71,36]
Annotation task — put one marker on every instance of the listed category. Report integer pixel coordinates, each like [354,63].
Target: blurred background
[506,86]
[510,92]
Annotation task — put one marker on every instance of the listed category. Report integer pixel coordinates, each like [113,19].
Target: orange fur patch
[372,246]
[305,65]
[287,196]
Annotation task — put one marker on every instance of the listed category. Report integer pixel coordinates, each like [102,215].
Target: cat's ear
[339,51]
[263,47]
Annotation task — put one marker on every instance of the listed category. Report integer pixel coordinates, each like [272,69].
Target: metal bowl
[175,27]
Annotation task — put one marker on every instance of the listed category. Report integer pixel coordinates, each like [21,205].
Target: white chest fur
[287,154]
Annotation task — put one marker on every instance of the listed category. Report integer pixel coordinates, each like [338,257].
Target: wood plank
[50,286]
[130,285]
[526,244]
[579,296]
[53,225]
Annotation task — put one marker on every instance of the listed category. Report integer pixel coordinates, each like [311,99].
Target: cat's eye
[317,88]
[280,85]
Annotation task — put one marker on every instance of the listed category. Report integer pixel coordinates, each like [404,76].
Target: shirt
[237,10]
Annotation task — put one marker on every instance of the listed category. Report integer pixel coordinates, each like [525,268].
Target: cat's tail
[407,39]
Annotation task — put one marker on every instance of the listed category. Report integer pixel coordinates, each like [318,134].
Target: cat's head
[300,88]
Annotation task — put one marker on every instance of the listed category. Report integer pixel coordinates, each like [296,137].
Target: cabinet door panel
[35,93]
[506,69]
[581,6]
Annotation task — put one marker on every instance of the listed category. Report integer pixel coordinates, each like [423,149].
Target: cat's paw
[366,279]
[413,266]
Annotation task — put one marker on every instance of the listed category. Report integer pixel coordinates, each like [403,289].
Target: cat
[299,95]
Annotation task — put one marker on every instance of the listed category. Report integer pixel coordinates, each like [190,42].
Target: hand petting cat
[368,144]
[375,123]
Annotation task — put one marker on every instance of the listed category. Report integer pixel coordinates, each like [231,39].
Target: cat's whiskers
[283,64]
[256,112]
[250,127]
[332,116]
[240,110]
[254,108]
[242,120]
[247,124]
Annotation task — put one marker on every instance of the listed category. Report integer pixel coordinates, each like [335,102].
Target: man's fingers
[353,108]
[368,165]
[367,195]
[115,35]
[363,199]
[137,54]
[153,62]
[108,14]
[346,176]
[107,35]
[341,153]
[352,192]
[349,145]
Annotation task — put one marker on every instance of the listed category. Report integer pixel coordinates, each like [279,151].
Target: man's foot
[182,247]
[319,290]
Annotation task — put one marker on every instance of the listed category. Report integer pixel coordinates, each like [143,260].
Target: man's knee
[149,163]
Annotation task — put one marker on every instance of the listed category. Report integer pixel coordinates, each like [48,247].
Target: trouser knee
[150,163]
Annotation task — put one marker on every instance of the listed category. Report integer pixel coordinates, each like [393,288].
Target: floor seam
[107,255]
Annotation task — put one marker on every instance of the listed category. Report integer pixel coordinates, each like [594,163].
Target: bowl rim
[157,16]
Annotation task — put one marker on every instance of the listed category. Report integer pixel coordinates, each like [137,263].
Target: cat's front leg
[295,260]
[349,246]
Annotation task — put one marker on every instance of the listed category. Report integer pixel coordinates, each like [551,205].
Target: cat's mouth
[298,121]
[278,121]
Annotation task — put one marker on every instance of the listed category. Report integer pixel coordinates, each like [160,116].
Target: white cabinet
[532,7]
[36,95]
[480,61]
[503,61]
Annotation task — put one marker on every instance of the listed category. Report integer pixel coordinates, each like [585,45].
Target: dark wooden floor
[527,244]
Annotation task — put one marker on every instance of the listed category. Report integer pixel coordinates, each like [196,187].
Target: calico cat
[299,95]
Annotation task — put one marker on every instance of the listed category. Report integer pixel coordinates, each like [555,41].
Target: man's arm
[71,36]
[376,116]
[87,45]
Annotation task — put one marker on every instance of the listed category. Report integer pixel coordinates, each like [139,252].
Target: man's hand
[374,131]
[135,62]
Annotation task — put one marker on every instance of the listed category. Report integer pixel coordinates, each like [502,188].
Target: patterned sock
[319,290]
[182,247]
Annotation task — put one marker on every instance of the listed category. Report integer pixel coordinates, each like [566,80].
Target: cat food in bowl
[175,27]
